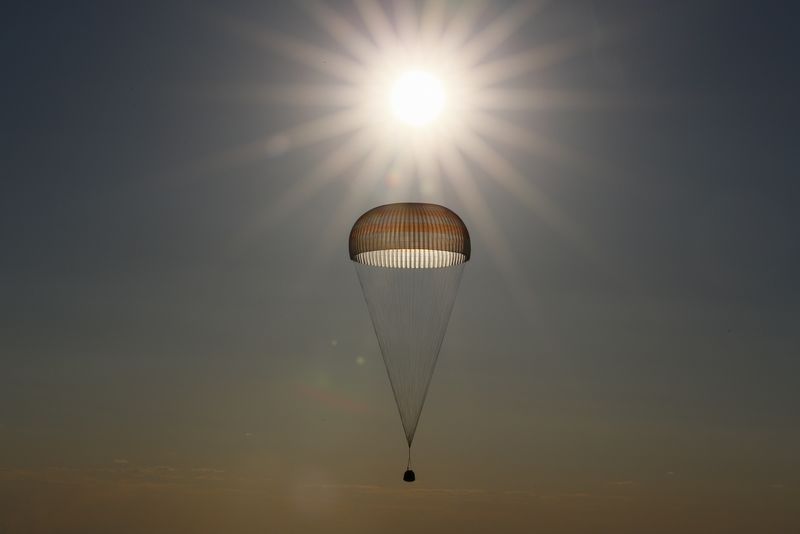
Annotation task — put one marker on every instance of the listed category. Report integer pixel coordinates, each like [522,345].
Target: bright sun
[417,98]
[452,75]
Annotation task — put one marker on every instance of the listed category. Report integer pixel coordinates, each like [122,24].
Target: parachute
[409,258]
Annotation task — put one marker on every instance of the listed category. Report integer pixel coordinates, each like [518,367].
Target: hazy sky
[184,346]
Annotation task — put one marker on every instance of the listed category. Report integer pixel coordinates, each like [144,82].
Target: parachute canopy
[409,258]
[409,235]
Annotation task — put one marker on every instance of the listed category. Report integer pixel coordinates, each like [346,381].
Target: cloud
[370,488]
[206,470]
[572,495]
[208,473]
[157,471]
[451,491]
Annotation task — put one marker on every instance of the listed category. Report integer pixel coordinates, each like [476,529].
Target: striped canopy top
[409,235]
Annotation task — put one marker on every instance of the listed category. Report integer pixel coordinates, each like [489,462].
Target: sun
[417,98]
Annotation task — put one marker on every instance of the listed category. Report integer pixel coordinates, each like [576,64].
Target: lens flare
[417,98]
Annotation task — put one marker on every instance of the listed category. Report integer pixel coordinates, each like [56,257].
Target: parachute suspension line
[410,309]
[409,475]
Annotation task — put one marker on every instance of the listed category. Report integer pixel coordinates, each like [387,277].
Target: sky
[184,346]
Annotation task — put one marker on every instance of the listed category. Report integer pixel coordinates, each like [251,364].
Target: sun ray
[334,165]
[540,57]
[307,95]
[378,24]
[498,31]
[375,164]
[495,99]
[405,13]
[461,25]
[427,170]
[432,23]
[374,168]
[510,134]
[499,250]
[301,135]
[514,182]
[320,59]
[326,127]
[532,60]
[295,94]
[408,186]
[344,33]
[524,190]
